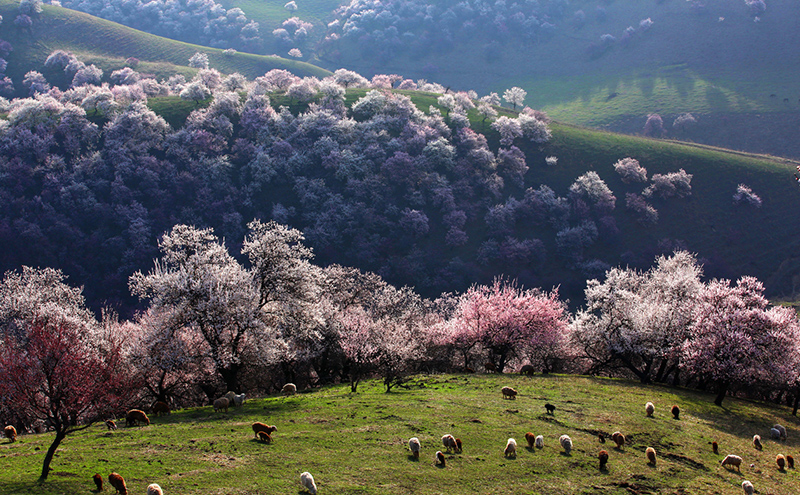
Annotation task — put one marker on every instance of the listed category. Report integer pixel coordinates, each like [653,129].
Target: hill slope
[357,443]
[107,45]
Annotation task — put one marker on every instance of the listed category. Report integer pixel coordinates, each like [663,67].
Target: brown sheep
[603,457]
[160,407]
[118,483]
[289,389]
[790,461]
[135,416]
[780,460]
[458,445]
[757,442]
[220,404]
[527,369]
[154,489]
[264,437]
[509,393]
[439,458]
[651,455]
[530,438]
[676,412]
[269,430]
[490,367]
[549,408]
[715,447]
[111,424]
[98,481]
[618,439]
[11,433]
[601,437]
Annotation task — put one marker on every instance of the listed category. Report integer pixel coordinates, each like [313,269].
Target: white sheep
[413,444]
[289,389]
[154,489]
[539,442]
[238,400]
[732,460]
[782,431]
[511,448]
[775,433]
[757,442]
[566,443]
[748,487]
[649,409]
[449,442]
[308,482]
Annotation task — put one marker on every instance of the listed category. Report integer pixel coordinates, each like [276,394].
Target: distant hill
[108,44]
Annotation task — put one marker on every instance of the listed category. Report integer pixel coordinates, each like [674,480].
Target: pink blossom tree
[737,340]
[507,321]
[52,374]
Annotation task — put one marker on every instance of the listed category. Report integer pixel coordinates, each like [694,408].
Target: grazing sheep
[264,437]
[11,433]
[509,393]
[539,442]
[511,448]
[118,483]
[715,447]
[289,389]
[651,455]
[160,407]
[458,445]
[618,439]
[757,442]
[449,442]
[230,395]
[413,444]
[732,460]
[308,482]
[566,443]
[527,369]
[790,461]
[98,481]
[782,431]
[601,437]
[111,424]
[649,409]
[154,489]
[549,408]
[748,487]
[238,400]
[676,412]
[221,403]
[136,416]
[269,430]
[775,433]
[530,438]
[780,460]
[439,458]
[603,456]
[490,367]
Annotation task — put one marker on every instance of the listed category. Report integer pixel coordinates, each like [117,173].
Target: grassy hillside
[107,45]
[356,443]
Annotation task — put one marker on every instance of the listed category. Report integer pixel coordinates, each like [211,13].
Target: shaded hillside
[107,45]
[358,442]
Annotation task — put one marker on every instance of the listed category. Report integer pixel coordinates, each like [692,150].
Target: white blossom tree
[515,96]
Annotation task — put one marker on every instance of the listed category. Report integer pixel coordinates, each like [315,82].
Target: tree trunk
[796,404]
[60,435]
[723,390]
[230,376]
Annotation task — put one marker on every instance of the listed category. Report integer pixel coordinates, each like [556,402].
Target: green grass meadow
[357,443]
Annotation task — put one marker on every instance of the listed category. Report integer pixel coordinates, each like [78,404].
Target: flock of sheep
[264,432]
